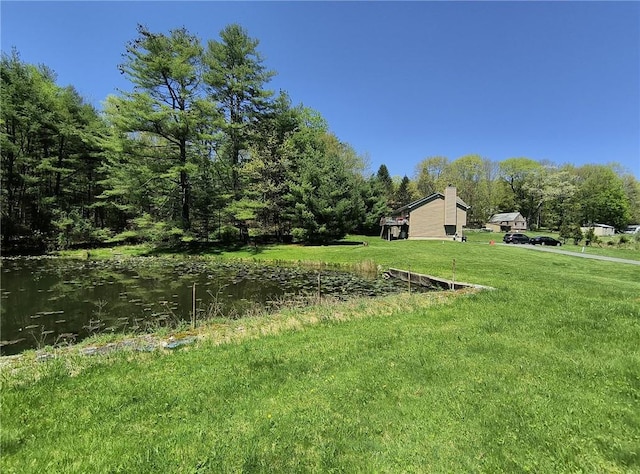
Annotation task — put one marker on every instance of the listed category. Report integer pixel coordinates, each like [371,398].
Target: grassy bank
[542,375]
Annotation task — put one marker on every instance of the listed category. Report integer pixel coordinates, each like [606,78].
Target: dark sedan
[515,239]
[544,240]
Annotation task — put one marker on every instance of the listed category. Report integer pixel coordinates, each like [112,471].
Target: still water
[45,301]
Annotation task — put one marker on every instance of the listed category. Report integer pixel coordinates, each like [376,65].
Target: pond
[52,301]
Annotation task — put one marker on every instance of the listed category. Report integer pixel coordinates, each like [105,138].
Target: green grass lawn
[541,374]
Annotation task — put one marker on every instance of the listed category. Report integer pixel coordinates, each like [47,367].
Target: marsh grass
[540,375]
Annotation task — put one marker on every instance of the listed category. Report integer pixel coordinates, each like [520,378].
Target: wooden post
[453,280]
[193,314]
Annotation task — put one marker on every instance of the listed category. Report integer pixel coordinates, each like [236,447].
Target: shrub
[299,234]
[226,234]
[74,229]
[590,236]
[127,236]
[576,234]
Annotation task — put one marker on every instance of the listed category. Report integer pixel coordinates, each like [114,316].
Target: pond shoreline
[57,301]
[231,331]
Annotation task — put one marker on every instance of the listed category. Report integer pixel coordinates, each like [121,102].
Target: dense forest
[201,150]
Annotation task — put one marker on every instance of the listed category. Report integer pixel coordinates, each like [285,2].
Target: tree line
[547,195]
[200,149]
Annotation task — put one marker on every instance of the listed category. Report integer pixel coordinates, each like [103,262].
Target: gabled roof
[425,200]
[601,225]
[504,217]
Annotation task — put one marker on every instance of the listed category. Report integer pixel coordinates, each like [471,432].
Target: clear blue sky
[399,81]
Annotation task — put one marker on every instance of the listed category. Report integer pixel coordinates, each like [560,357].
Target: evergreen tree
[403,195]
[375,205]
[324,195]
[235,77]
[386,183]
[50,157]
[166,108]
[265,176]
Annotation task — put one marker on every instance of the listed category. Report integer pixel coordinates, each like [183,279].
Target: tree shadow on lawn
[253,246]
[345,243]
[206,248]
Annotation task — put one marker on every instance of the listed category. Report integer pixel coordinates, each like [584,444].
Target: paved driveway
[579,254]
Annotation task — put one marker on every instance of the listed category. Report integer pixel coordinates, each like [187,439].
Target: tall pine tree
[167,107]
[235,78]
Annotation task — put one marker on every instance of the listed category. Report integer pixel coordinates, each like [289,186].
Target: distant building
[601,230]
[507,222]
[433,217]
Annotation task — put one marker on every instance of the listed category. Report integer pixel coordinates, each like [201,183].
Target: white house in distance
[601,230]
[507,222]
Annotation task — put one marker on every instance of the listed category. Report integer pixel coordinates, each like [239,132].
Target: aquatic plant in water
[74,299]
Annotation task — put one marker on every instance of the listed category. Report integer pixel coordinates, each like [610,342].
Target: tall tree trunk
[185,193]
[58,173]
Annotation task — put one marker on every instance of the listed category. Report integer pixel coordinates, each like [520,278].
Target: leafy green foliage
[266,175]
[602,197]
[517,174]
[376,205]
[50,155]
[74,229]
[576,234]
[386,182]
[324,194]
[200,145]
[235,78]
[403,195]
[430,175]
[590,236]
[165,106]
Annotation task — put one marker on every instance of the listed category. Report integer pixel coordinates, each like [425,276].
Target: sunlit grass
[539,375]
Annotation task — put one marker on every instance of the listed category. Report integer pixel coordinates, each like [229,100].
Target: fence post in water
[193,306]
[319,294]
[409,279]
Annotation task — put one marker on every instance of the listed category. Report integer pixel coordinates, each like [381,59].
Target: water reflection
[58,301]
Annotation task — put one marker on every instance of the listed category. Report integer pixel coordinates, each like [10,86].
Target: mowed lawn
[541,374]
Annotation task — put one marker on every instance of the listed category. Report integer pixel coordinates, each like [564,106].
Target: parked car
[544,240]
[515,239]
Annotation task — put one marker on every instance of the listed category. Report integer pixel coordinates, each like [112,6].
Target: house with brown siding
[507,222]
[441,215]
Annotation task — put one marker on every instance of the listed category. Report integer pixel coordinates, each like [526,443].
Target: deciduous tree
[602,196]
[430,175]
